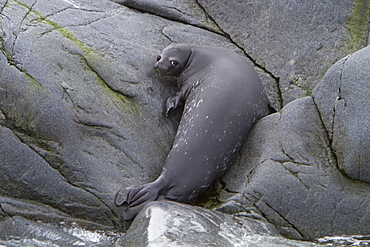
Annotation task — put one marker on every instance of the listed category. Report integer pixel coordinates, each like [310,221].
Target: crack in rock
[32,147]
[67,95]
[227,35]
[125,97]
[11,62]
[224,187]
[326,130]
[3,212]
[167,12]
[291,225]
[9,54]
[270,74]
[296,175]
[28,140]
[98,127]
[340,96]
[290,158]
[2,7]
[165,35]
[91,124]
[73,25]
[330,129]
[23,136]
[272,221]
[29,10]
[176,9]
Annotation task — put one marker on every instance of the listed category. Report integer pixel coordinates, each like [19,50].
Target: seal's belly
[213,127]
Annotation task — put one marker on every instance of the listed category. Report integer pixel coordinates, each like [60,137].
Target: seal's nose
[156,68]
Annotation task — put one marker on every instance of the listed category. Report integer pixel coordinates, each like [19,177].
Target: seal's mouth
[156,69]
[158,72]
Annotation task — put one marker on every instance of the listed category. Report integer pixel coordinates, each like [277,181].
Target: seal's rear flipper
[127,195]
[121,197]
[128,213]
[135,198]
[131,212]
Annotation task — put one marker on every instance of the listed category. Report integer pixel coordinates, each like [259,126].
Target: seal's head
[173,60]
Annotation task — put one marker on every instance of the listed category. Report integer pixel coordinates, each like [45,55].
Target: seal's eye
[174,63]
[159,58]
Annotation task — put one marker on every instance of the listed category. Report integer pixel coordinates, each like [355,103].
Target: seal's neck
[191,76]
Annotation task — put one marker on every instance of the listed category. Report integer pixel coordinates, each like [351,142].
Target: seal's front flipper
[173,102]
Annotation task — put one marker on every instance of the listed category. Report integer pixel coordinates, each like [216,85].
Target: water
[79,236]
[89,238]
[345,241]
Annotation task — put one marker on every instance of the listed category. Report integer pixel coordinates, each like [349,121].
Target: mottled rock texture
[81,108]
[173,224]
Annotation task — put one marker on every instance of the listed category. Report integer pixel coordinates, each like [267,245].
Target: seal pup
[223,97]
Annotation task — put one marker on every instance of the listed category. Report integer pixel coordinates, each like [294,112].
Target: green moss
[11,61]
[308,91]
[89,55]
[33,81]
[357,25]
[118,98]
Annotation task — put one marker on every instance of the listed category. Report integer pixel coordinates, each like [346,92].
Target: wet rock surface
[174,224]
[81,113]
[18,231]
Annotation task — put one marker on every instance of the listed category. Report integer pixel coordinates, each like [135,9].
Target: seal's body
[223,98]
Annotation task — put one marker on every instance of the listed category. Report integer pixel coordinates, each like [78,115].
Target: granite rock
[81,108]
[173,224]
[343,98]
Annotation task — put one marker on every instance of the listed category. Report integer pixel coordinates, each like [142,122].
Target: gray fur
[223,98]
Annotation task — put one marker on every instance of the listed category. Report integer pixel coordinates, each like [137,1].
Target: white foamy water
[356,240]
[99,238]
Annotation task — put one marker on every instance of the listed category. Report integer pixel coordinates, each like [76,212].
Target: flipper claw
[135,198]
[122,196]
